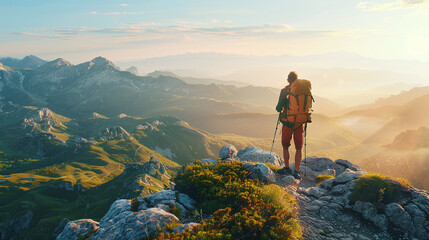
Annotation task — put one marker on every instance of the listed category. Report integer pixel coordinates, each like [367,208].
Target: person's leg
[298,136]
[286,157]
[286,138]
[298,158]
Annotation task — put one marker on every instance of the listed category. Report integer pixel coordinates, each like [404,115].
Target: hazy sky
[79,30]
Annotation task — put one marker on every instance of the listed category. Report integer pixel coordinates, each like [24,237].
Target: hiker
[294,107]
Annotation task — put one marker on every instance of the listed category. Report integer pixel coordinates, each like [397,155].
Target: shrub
[176,212]
[322,177]
[240,208]
[378,188]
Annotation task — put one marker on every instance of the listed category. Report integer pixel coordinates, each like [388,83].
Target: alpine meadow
[214,120]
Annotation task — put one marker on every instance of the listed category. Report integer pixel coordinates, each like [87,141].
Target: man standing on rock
[294,106]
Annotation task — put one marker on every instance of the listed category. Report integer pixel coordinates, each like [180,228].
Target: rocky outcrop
[122,223]
[40,123]
[16,226]
[81,140]
[167,200]
[43,118]
[228,151]
[78,229]
[254,154]
[137,219]
[112,133]
[328,213]
[312,167]
[325,211]
[68,186]
[249,154]
[148,177]
[153,168]
[260,172]
[150,126]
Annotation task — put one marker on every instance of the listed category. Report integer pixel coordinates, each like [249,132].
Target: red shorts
[298,136]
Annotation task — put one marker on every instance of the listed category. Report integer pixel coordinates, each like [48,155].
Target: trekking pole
[274,138]
[305,141]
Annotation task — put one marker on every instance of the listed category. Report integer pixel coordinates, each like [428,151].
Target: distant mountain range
[361,80]
[100,86]
[395,99]
[218,64]
[193,80]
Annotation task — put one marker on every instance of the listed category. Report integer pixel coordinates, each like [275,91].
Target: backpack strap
[297,100]
[305,102]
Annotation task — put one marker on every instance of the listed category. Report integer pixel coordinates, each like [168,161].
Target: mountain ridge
[30,61]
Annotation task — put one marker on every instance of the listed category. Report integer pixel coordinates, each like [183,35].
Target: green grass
[98,168]
[322,177]
[51,205]
[378,188]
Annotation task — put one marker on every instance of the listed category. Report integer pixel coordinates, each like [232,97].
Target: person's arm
[282,101]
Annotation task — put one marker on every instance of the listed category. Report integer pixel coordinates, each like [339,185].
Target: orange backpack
[298,111]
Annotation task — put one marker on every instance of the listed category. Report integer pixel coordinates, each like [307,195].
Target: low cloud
[124,5]
[388,6]
[151,30]
[414,2]
[139,24]
[119,13]
[37,35]
[93,12]
[245,30]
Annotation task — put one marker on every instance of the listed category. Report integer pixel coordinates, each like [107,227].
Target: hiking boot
[296,175]
[285,171]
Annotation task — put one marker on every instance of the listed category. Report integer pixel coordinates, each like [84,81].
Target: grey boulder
[186,201]
[287,180]
[399,217]
[317,164]
[132,225]
[260,172]
[162,197]
[228,151]
[341,165]
[347,176]
[78,229]
[257,155]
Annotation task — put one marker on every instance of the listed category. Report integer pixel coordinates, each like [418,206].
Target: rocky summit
[327,209]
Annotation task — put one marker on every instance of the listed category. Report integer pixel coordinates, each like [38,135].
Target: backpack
[298,110]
